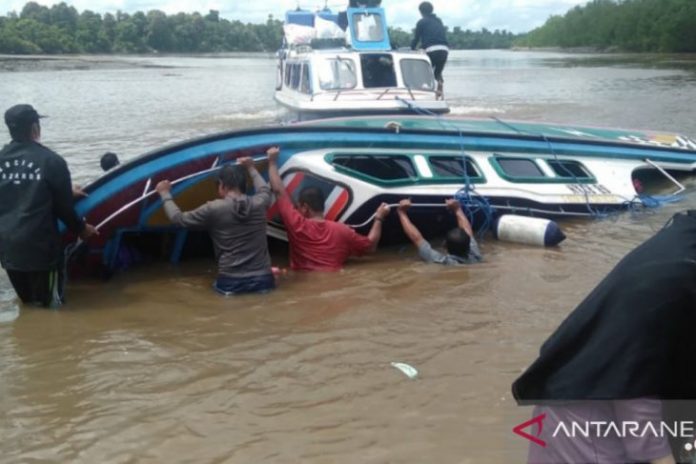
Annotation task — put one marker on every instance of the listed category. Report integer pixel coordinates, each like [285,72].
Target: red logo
[539,421]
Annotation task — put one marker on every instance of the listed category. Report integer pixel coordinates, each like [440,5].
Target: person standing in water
[35,193]
[236,223]
[432,35]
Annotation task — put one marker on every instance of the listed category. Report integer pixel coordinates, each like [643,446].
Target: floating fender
[528,230]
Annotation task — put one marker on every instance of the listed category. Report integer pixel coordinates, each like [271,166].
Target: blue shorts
[227,286]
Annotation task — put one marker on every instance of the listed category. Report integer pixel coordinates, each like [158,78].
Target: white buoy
[528,230]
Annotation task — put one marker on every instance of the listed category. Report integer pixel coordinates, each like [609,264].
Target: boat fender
[528,230]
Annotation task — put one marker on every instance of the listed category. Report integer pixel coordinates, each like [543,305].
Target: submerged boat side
[432,165]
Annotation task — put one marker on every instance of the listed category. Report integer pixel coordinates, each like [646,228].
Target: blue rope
[471,202]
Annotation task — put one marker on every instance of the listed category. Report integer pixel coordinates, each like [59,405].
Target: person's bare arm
[462,222]
[273,174]
[376,231]
[410,230]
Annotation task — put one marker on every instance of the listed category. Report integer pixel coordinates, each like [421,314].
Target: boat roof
[511,127]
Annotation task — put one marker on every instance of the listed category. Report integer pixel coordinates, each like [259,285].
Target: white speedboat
[324,71]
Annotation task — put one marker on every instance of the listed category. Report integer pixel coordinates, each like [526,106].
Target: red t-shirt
[319,245]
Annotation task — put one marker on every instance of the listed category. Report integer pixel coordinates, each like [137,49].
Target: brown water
[153,367]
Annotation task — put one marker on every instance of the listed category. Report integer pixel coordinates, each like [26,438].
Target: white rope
[395,205]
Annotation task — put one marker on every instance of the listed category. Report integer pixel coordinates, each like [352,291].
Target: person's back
[35,192]
[29,238]
[461,245]
[238,230]
[236,223]
[319,245]
[431,31]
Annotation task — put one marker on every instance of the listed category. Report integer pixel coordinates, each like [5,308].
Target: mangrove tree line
[631,25]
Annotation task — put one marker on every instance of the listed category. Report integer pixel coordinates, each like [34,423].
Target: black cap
[21,116]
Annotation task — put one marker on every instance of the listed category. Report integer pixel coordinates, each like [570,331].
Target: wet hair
[458,242]
[21,133]
[108,160]
[426,8]
[313,197]
[233,177]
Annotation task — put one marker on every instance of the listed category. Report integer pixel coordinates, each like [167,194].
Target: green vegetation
[62,29]
[461,40]
[631,25]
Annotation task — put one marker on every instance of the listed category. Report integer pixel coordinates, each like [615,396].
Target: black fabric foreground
[633,336]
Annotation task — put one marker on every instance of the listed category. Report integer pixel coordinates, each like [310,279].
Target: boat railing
[369,94]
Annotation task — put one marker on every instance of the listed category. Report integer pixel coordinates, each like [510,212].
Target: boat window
[378,70]
[295,80]
[418,74]
[288,72]
[337,74]
[519,167]
[383,167]
[453,166]
[566,168]
[305,86]
[368,27]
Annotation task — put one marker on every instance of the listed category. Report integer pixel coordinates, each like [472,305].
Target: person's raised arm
[196,219]
[410,230]
[462,222]
[273,175]
[262,191]
[376,231]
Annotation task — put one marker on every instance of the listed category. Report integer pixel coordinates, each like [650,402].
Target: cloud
[512,15]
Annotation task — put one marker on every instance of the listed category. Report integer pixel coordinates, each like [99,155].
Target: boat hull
[131,220]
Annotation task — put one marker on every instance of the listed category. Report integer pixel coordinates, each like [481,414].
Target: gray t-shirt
[429,255]
[237,226]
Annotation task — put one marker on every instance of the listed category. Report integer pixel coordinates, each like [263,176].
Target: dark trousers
[44,288]
[227,285]
[438,59]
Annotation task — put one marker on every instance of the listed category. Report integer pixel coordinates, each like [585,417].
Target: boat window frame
[416,178]
[480,178]
[379,26]
[305,79]
[336,84]
[429,67]
[543,179]
[376,57]
[569,175]
[288,74]
[296,76]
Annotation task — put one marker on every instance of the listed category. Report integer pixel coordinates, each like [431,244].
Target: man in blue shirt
[460,242]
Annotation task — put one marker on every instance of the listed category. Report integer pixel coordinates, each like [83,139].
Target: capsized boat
[492,166]
[324,71]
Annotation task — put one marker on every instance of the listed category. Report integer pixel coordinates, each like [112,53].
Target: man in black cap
[35,192]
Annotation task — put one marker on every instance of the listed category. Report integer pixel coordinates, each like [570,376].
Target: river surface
[153,367]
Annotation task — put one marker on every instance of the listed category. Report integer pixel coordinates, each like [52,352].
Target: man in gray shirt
[236,223]
[461,244]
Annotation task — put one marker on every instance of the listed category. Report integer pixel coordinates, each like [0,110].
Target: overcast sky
[512,15]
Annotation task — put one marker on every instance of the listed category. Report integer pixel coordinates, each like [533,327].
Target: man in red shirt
[315,243]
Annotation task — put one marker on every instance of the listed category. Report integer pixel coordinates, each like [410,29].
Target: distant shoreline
[66,62]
